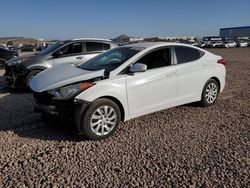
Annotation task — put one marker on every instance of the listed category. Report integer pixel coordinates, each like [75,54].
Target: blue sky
[63,19]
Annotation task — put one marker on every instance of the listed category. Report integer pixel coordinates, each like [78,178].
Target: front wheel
[101,119]
[31,75]
[209,93]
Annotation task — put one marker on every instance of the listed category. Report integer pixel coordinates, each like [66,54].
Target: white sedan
[241,43]
[230,44]
[127,82]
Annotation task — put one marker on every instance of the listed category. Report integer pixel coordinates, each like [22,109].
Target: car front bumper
[48,109]
[68,110]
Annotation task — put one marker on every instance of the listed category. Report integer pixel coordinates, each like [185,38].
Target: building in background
[213,38]
[235,32]
[175,38]
[136,39]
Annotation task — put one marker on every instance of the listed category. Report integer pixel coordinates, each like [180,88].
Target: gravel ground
[186,146]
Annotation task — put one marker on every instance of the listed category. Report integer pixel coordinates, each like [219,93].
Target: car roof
[92,39]
[156,44]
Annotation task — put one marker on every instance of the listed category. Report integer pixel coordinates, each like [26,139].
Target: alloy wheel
[211,92]
[103,120]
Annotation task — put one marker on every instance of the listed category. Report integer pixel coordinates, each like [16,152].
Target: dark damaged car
[6,55]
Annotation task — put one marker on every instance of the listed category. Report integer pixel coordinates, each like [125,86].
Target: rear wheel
[31,75]
[209,93]
[101,119]
[2,61]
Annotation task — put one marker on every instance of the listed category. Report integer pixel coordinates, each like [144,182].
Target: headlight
[14,61]
[69,91]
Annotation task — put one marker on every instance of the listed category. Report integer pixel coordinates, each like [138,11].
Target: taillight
[221,61]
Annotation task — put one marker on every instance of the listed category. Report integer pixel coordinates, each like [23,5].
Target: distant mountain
[10,38]
[21,40]
[122,39]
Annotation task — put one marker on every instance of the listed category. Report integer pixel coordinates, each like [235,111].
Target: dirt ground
[186,146]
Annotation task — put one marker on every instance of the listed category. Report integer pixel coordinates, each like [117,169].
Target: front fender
[115,88]
[39,66]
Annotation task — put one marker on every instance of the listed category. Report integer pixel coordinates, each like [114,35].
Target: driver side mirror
[138,67]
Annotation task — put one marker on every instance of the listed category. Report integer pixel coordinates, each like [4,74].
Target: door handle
[79,57]
[170,74]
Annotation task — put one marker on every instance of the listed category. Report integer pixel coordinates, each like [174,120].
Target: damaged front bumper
[15,75]
[68,110]
[48,109]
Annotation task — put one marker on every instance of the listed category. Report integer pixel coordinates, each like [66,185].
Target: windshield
[111,59]
[51,48]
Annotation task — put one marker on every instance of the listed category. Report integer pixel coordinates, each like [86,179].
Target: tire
[210,93]
[30,76]
[90,127]
[2,61]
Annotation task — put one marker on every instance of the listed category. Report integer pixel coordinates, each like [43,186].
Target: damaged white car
[127,82]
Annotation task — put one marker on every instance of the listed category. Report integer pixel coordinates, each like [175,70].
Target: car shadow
[51,129]
[17,116]
[193,104]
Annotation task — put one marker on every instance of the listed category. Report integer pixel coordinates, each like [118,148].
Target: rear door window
[96,46]
[186,54]
[106,46]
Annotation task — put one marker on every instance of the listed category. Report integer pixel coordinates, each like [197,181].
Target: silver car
[20,71]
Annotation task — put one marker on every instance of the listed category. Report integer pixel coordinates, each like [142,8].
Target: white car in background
[230,44]
[127,82]
[248,42]
[241,43]
[200,44]
[218,44]
[214,44]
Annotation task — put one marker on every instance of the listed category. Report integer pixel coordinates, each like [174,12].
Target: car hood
[28,60]
[61,75]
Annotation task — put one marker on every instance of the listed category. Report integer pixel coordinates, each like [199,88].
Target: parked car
[20,71]
[214,44]
[10,45]
[127,82]
[200,44]
[218,44]
[248,42]
[41,46]
[6,55]
[229,44]
[241,43]
[28,48]
[4,46]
